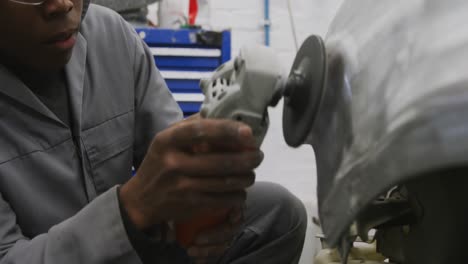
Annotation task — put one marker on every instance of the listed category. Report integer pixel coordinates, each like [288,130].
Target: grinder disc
[303,91]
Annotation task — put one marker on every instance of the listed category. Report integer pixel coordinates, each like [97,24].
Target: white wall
[245,18]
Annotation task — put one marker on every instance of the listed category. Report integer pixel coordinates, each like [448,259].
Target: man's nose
[57,8]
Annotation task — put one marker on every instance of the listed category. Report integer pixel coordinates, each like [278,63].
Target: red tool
[193,11]
[187,231]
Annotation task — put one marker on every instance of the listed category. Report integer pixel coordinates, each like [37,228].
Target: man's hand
[195,165]
[211,245]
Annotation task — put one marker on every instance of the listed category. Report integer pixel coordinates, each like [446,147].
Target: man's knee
[274,230]
[283,211]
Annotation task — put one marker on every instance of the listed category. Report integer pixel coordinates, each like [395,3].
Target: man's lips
[61,36]
[63,40]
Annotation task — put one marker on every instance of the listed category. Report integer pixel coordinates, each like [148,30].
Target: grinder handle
[187,231]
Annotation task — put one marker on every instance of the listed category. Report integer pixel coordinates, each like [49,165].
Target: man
[80,103]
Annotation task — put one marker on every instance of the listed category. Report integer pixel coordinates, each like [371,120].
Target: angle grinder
[243,89]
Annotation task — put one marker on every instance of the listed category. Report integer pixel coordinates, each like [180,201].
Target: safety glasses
[28,2]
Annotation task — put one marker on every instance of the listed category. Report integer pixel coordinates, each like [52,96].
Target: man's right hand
[194,165]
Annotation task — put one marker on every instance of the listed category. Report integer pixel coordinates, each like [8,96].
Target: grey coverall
[58,183]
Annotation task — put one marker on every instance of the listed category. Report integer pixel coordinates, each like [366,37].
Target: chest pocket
[109,151]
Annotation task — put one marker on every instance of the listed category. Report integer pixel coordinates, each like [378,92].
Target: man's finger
[220,164]
[217,184]
[211,131]
[193,117]
[218,200]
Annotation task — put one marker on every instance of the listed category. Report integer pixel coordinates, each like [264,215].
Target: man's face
[38,37]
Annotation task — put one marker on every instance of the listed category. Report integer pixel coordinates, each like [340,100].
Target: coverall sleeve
[95,235]
[155,107]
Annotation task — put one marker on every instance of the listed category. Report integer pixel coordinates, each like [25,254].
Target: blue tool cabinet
[184,57]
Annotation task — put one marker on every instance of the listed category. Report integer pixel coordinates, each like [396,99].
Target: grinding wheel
[304,90]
